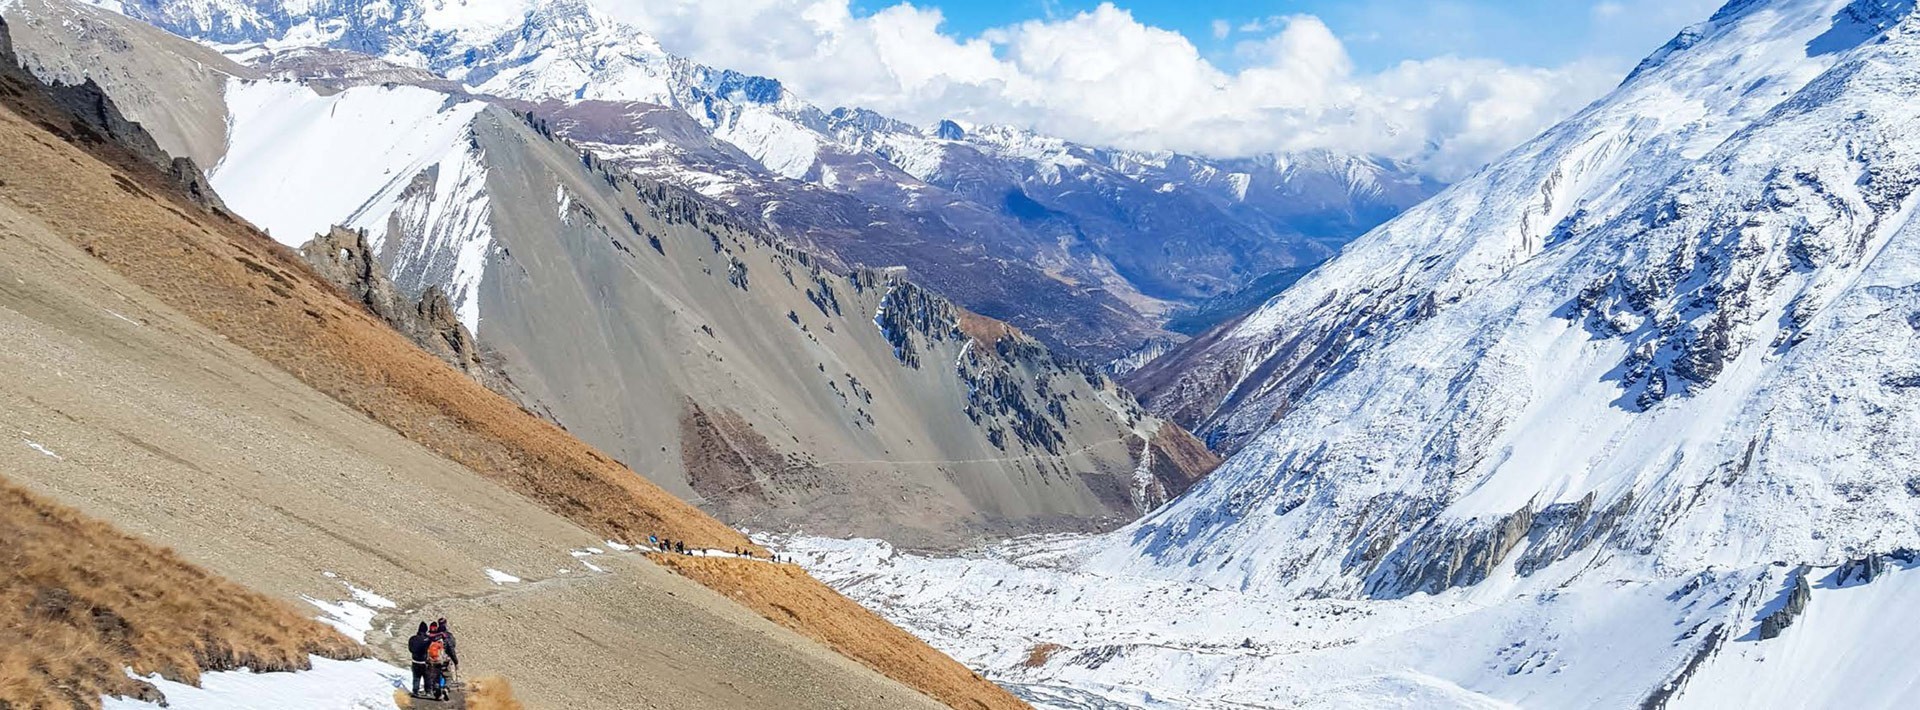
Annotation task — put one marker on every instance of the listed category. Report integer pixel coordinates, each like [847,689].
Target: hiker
[680,547]
[418,647]
[453,645]
[653,542]
[439,655]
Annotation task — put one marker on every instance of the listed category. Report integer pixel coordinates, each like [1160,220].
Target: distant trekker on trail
[418,647]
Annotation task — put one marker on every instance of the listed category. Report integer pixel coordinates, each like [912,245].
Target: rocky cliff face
[343,258]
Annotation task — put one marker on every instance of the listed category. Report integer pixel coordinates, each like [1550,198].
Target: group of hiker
[434,657]
[679,547]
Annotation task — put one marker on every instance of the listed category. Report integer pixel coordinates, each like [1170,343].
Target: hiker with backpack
[440,654]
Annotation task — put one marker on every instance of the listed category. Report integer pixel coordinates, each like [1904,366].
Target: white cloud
[1103,77]
[1222,28]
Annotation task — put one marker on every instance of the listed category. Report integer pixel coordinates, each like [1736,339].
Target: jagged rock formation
[342,257]
[1794,603]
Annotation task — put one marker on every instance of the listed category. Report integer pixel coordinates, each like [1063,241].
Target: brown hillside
[794,599]
[80,602]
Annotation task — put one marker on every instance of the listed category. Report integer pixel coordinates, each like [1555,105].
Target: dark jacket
[418,647]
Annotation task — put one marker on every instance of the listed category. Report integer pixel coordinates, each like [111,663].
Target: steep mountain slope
[1591,170]
[724,364]
[186,379]
[1625,419]
[1088,249]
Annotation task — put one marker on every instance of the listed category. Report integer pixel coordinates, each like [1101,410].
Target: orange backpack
[437,651]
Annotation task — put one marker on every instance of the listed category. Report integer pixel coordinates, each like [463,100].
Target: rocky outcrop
[1562,529]
[96,119]
[1172,461]
[1796,602]
[1444,555]
[343,257]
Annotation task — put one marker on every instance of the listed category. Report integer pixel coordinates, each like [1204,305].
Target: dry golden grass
[80,602]
[491,693]
[262,296]
[789,596]
[985,332]
[1040,654]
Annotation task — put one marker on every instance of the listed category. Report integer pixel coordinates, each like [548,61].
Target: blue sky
[1379,33]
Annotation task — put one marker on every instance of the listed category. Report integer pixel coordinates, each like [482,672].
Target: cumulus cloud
[1103,77]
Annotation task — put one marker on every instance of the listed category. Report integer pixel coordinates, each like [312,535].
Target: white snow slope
[370,158]
[1571,434]
[329,685]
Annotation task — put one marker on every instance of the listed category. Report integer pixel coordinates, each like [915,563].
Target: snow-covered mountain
[1090,249]
[1628,418]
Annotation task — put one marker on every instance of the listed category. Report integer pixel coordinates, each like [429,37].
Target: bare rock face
[342,257]
[1780,619]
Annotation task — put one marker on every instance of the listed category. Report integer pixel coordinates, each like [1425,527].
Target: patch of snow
[44,451]
[500,577]
[329,685]
[111,312]
[298,163]
[778,143]
[618,547]
[369,599]
[352,618]
[1237,183]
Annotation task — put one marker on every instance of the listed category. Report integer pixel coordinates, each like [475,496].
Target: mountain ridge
[1223,224]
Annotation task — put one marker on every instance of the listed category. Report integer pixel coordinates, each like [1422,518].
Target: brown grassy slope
[80,602]
[792,598]
[491,693]
[261,296]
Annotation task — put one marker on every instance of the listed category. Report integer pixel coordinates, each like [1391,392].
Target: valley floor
[1034,615]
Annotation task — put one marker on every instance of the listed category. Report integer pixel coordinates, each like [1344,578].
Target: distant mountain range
[1089,249]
